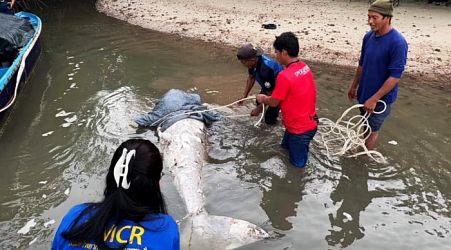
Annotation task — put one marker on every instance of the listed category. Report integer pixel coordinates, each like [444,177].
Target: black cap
[248,51]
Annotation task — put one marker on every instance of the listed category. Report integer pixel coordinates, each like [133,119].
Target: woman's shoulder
[76,210]
[73,213]
[159,217]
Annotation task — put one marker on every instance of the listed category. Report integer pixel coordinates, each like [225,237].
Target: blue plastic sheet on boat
[173,107]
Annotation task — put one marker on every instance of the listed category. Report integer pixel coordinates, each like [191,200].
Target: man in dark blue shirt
[264,70]
[382,62]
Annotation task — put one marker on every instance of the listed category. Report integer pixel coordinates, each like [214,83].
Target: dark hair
[289,42]
[143,196]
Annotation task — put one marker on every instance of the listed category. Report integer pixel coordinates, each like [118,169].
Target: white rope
[170,115]
[347,136]
[21,69]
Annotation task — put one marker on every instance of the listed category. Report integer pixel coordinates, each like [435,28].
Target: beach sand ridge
[329,31]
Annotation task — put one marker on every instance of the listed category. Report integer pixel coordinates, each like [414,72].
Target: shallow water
[96,74]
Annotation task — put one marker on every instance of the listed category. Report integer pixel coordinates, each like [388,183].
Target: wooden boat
[15,72]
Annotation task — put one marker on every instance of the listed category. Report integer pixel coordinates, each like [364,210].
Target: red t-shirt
[296,91]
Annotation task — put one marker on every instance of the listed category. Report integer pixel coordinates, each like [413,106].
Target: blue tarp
[174,106]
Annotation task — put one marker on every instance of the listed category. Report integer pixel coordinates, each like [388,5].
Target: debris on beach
[48,223]
[33,241]
[25,229]
[392,142]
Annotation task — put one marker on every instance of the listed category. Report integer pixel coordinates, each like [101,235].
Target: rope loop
[346,137]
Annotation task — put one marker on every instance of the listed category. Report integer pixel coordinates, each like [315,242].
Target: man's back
[297,94]
[266,72]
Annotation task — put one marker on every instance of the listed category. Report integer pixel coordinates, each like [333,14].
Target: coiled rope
[172,115]
[345,137]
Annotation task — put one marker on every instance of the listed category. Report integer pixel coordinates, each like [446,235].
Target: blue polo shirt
[381,57]
[156,232]
[265,72]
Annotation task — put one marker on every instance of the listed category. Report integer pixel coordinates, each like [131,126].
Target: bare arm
[268,100]
[388,85]
[249,84]
[11,4]
[352,93]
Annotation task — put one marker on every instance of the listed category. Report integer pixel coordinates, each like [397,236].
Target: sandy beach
[329,31]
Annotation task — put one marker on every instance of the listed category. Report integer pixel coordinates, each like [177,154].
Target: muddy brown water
[97,73]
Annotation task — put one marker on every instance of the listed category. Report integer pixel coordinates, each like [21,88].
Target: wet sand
[329,31]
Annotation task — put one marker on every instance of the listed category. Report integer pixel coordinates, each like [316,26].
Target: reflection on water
[96,74]
[352,192]
[281,198]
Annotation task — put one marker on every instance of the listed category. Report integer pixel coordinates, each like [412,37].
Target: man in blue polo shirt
[264,70]
[382,62]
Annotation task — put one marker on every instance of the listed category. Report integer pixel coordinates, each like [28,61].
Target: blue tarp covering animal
[176,105]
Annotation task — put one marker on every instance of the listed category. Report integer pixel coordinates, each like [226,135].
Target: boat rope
[345,137]
[172,115]
[22,68]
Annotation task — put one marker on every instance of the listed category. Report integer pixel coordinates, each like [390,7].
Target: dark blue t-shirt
[156,232]
[381,57]
[265,72]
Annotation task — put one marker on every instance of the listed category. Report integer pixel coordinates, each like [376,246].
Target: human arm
[268,100]
[67,223]
[176,235]
[249,84]
[11,3]
[280,92]
[352,92]
[388,85]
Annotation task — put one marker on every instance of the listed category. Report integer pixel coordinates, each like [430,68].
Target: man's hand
[261,98]
[11,4]
[240,103]
[257,110]
[370,105]
[352,94]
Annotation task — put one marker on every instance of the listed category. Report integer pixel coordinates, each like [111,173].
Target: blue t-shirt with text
[381,57]
[155,231]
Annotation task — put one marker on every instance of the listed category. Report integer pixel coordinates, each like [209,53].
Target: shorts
[376,120]
[298,146]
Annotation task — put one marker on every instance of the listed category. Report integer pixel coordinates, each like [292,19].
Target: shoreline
[335,40]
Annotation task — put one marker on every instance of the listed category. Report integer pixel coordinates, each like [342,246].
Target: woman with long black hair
[131,215]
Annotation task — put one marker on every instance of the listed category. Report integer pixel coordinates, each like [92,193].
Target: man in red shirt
[295,91]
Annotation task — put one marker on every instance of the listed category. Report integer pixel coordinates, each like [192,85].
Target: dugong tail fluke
[183,154]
